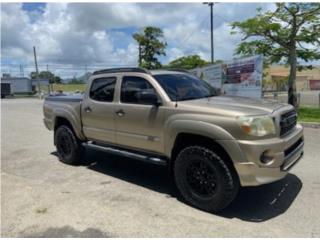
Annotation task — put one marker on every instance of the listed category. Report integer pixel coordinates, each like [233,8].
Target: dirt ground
[109,196]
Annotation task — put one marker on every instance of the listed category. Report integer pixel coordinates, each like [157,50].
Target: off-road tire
[222,190]
[69,148]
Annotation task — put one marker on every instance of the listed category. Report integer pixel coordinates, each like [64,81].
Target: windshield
[180,87]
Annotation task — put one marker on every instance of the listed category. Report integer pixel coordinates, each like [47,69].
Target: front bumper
[287,151]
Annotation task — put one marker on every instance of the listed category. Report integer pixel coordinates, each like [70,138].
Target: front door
[138,125]
[98,110]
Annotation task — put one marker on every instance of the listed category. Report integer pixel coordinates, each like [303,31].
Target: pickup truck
[212,145]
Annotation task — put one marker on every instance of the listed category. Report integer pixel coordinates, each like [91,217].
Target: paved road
[113,197]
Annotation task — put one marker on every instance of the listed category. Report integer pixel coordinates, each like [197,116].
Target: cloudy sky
[71,36]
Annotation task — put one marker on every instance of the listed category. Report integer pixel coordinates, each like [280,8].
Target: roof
[14,78]
[119,70]
[139,70]
[158,72]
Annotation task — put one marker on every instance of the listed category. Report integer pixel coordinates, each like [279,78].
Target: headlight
[257,125]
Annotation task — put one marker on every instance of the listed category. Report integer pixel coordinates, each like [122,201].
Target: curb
[310,124]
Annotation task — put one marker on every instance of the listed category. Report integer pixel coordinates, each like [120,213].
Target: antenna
[176,96]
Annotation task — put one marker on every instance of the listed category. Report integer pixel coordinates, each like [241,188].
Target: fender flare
[200,128]
[70,116]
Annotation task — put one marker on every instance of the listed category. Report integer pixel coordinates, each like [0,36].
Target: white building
[22,84]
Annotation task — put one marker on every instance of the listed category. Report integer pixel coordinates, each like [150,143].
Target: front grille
[288,121]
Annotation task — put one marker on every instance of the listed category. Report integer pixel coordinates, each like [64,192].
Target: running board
[125,153]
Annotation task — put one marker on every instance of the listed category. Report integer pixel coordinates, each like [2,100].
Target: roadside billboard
[212,74]
[239,77]
[314,84]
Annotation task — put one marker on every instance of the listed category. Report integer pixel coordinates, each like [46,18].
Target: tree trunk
[292,92]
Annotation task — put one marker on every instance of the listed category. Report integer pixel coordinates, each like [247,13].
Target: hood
[235,105]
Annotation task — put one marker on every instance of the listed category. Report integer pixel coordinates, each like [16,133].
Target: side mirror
[149,98]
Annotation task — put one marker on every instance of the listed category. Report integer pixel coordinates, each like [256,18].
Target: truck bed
[67,107]
[66,98]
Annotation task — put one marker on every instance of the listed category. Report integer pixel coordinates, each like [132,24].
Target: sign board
[212,74]
[239,77]
[314,84]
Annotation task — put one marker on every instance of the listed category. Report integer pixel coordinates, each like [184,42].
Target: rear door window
[102,89]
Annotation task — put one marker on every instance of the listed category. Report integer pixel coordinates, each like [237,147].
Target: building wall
[18,85]
[278,72]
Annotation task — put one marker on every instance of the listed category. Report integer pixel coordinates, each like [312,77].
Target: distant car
[212,144]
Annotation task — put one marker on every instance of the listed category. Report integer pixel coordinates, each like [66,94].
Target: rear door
[98,110]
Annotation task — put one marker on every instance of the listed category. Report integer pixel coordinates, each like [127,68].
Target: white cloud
[74,34]
[58,39]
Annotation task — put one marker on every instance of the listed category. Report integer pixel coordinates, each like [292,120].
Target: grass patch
[309,114]
[69,87]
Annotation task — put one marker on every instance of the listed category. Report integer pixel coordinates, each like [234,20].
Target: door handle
[120,113]
[87,109]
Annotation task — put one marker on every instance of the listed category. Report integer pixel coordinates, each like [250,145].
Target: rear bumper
[286,153]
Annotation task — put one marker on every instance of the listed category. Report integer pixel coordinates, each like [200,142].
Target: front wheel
[204,179]
[69,148]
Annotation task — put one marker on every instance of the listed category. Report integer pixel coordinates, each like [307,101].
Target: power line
[202,22]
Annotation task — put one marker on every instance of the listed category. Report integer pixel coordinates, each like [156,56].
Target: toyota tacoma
[212,144]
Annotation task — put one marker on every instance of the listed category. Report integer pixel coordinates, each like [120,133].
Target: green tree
[188,62]
[46,75]
[288,34]
[57,79]
[151,45]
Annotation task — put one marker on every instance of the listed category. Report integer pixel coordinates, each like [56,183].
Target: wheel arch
[177,128]
[62,120]
[185,139]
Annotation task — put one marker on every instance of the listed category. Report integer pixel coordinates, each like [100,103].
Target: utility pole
[140,55]
[21,71]
[86,73]
[48,80]
[211,4]
[37,72]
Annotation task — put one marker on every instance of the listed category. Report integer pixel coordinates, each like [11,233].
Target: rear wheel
[69,148]
[204,179]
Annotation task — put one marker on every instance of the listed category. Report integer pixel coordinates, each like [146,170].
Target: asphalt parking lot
[109,196]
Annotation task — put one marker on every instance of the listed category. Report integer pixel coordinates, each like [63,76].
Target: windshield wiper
[189,98]
[208,96]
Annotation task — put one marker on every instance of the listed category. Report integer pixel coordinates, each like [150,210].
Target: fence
[305,98]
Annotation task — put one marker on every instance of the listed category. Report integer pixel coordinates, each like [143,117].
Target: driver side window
[133,87]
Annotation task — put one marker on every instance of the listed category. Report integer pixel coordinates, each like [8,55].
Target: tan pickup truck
[211,144]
